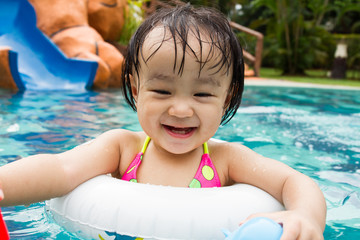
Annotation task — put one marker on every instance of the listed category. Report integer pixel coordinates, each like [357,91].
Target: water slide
[35,62]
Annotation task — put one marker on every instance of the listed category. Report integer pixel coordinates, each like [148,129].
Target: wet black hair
[180,21]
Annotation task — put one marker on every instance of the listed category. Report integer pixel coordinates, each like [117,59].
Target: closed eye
[161,92]
[203,94]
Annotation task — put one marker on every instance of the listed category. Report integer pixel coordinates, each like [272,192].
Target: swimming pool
[316,131]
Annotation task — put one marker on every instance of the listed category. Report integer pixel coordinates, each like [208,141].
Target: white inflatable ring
[107,208]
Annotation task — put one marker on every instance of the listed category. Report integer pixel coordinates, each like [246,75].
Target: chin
[180,146]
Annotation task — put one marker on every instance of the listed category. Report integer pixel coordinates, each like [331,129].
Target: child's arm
[1,192]
[305,204]
[32,179]
[40,177]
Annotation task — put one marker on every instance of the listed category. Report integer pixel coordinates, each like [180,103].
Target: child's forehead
[178,49]
[161,36]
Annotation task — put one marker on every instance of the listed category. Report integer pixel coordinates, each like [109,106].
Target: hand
[296,226]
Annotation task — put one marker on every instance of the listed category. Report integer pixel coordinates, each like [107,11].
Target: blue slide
[36,63]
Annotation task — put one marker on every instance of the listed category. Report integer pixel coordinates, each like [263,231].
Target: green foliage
[353,60]
[294,39]
[312,48]
[299,33]
[223,5]
[344,16]
[247,41]
[133,18]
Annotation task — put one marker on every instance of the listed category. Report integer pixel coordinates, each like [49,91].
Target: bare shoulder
[240,164]
[232,153]
[234,161]
[127,143]
[107,153]
[230,150]
[127,140]
[119,134]
[227,156]
[117,137]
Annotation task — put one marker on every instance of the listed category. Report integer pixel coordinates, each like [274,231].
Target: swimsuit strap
[130,173]
[146,144]
[206,148]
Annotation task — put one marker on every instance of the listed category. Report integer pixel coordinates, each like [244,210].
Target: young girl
[184,77]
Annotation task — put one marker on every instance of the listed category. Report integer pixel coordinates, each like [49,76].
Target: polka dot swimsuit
[206,175]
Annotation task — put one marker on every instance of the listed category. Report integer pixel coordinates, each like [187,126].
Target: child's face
[179,111]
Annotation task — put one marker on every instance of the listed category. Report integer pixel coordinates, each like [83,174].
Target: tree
[223,5]
[294,38]
[344,16]
[297,32]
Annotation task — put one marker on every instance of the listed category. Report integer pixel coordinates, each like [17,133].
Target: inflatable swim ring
[109,208]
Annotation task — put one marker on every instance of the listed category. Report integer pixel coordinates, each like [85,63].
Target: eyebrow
[210,81]
[160,76]
[202,80]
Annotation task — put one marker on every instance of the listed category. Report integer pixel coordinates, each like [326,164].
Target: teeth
[180,130]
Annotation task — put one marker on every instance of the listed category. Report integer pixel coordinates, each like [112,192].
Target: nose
[181,109]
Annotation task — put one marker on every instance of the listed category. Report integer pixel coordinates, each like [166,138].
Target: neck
[161,154]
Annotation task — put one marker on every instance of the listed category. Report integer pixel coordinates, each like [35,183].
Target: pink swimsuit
[206,175]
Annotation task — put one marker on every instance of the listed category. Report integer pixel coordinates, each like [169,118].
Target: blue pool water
[315,131]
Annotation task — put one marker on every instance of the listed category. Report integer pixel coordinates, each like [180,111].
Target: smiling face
[179,110]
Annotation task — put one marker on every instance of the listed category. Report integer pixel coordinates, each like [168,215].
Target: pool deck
[252,81]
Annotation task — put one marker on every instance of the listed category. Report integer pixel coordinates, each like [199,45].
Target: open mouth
[179,132]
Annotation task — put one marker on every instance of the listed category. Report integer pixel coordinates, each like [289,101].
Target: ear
[134,87]
[227,102]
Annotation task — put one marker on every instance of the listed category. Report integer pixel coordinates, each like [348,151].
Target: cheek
[212,114]
[146,110]
[144,118]
[141,109]
[222,108]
